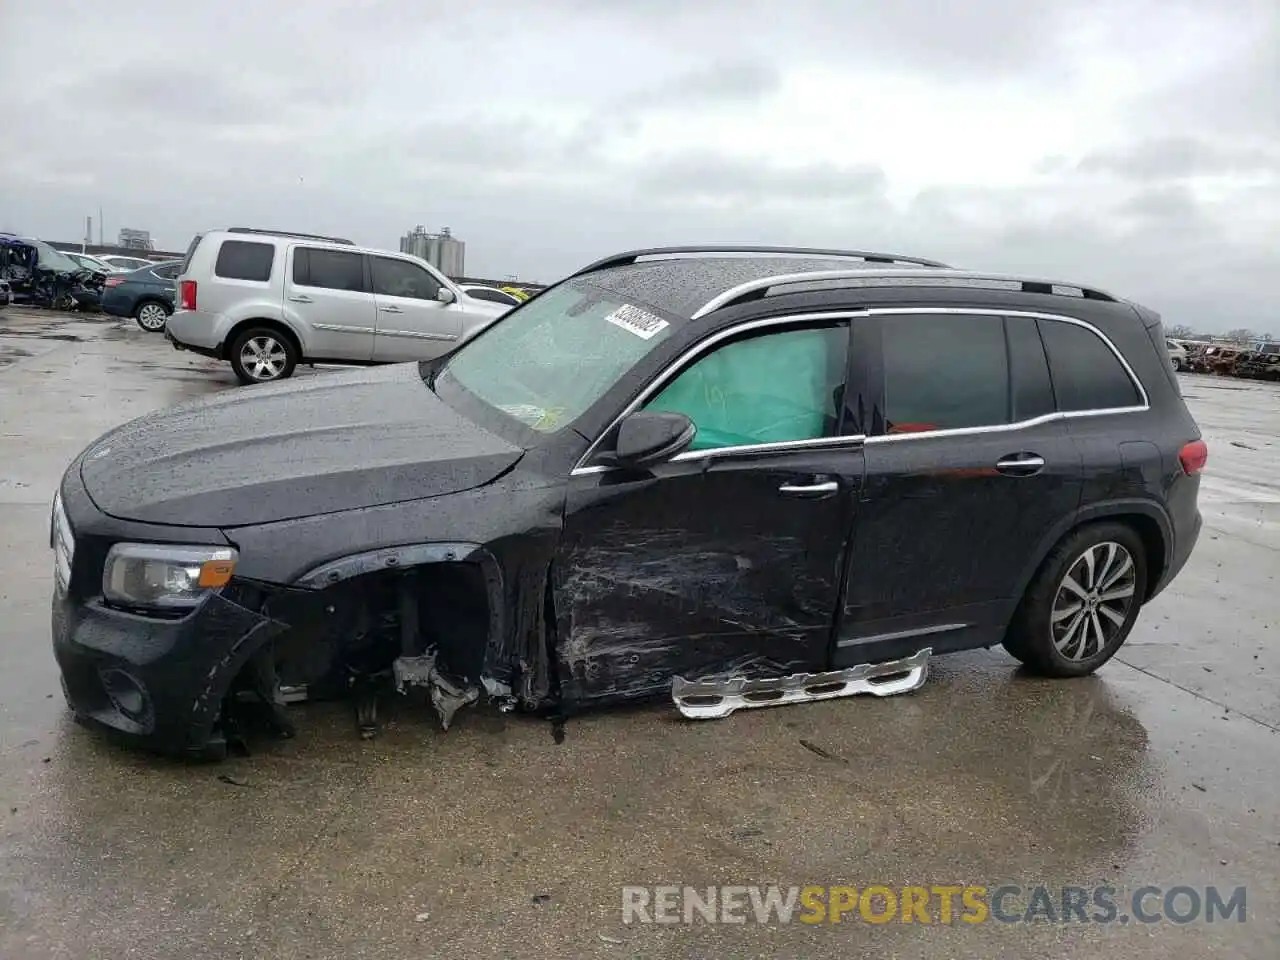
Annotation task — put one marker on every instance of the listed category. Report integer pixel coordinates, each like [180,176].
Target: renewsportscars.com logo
[943,904]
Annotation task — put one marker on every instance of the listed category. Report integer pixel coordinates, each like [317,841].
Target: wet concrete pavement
[1162,770]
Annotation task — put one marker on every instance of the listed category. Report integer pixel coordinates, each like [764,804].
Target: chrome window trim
[1034,315]
[859,439]
[1031,421]
[764,283]
[680,362]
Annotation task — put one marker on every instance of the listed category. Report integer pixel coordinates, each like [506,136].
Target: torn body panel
[696,567]
[168,689]
[476,570]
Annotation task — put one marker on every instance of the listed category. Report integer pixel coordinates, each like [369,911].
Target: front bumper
[157,682]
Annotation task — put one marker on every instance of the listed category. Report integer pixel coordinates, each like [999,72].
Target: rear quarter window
[191,252]
[244,260]
[1087,375]
[944,372]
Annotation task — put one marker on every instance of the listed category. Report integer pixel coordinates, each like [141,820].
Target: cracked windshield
[638,479]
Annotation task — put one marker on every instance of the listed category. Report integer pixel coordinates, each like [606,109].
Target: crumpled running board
[713,699]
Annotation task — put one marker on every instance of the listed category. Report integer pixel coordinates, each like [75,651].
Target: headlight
[62,541]
[164,577]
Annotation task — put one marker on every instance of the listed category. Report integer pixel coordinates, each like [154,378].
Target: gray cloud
[726,82]
[1179,157]
[546,141]
[712,177]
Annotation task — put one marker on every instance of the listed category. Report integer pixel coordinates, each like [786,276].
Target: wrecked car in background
[42,276]
[728,478]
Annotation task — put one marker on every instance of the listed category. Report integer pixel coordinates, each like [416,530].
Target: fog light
[127,695]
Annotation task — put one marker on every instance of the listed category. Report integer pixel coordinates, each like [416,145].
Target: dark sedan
[146,295]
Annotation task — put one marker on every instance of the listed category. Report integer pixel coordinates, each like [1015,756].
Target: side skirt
[713,699]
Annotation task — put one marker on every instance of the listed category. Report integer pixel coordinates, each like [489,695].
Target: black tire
[148,312]
[277,350]
[1047,645]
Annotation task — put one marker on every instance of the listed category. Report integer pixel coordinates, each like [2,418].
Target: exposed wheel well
[360,625]
[244,325]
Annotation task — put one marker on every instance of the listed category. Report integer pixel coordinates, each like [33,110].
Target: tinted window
[766,389]
[167,271]
[1032,390]
[943,372]
[331,269]
[1086,373]
[191,249]
[495,296]
[400,278]
[244,260]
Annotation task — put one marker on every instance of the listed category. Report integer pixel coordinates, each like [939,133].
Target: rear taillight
[113,281]
[187,294]
[1193,457]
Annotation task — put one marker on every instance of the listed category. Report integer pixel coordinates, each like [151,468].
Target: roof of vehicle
[152,266]
[284,235]
[694,281]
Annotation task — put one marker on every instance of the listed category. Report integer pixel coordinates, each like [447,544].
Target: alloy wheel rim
[263,358]
[1093,601]
[152,316]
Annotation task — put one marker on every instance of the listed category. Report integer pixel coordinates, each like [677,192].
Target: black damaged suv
[755,469]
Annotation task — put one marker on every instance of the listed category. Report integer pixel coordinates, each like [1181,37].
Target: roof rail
[287,233]
[754,289]
[631,256]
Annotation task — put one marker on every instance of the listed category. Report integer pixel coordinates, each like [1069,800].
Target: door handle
[391,310]
[301,299]
[812,491]
[1020,464]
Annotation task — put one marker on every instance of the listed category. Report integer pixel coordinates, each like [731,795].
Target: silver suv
[265,300]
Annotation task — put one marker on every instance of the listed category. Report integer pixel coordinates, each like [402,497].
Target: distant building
[135,239]
[442,250]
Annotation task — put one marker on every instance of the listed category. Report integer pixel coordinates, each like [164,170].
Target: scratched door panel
[691,571]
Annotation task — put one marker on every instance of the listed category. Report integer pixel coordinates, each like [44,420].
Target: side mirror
[445,295]
[647,438]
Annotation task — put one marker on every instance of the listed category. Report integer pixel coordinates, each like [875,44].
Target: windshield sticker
[640,322]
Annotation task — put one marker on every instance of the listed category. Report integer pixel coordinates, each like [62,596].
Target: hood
[295,449]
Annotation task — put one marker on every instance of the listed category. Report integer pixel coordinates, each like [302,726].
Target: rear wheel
[151,316]
[1082,603]
[263,354]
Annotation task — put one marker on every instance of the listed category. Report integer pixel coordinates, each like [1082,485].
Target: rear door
[327,295]
[412,323]
[969,468]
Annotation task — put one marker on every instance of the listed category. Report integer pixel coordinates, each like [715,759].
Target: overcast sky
[1132,145]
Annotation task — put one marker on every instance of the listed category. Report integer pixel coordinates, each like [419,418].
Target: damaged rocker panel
[714,699]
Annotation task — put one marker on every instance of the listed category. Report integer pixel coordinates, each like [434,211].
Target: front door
[969,469]
[412,323]
[726,560]
[327,295]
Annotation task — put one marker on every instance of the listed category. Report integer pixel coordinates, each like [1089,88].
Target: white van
[265,300]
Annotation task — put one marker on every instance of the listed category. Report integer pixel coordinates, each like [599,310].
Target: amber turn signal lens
[216,573]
